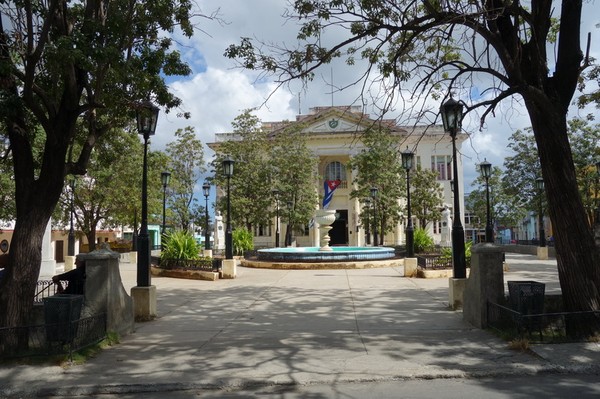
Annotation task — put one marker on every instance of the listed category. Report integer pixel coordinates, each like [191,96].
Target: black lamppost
[71,241]
[147,116]
[275,193]
[485,168]
[539,183]
[407,163]
[228,172]
[165,177]
[452,113]
[374,191]
[206,192]
[288,232]
[367,221]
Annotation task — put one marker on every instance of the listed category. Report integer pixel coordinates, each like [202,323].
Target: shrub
[422,241]
[180,244]
[447,253]
[242,241]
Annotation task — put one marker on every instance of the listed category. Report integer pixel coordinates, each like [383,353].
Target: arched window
[335,171]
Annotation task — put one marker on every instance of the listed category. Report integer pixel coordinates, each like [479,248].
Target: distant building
[333,135]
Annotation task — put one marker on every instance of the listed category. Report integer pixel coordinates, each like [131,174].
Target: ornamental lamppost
[275,193]
[539,183]
[165,177]
[367,221]
[452,114]
[147,116]
[597,222]
[206,192]
[374,192]
[71,240]
[228,172]
[407,163]
[485,168]
[288,234]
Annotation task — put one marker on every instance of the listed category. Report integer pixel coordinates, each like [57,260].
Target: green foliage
[447,253]
[242,241]
[426,196]
[180,244]
[186,164]
[422,241]
[379,165]
[265,160]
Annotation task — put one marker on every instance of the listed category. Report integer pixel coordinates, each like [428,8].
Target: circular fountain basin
[313,254]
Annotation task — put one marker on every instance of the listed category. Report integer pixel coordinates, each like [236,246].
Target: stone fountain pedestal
[325,217]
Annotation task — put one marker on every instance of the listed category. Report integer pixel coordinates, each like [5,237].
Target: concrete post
[410,267]
[485,283]
[104,291]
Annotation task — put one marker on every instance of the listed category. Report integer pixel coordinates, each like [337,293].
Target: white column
[48,266]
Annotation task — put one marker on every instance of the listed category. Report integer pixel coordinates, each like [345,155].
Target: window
[262,231]
[335,171]
[437,227]
[443,165]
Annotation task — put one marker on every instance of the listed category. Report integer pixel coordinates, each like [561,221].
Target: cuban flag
[329,187]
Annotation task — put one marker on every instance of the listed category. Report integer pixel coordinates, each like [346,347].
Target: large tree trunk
[577,256]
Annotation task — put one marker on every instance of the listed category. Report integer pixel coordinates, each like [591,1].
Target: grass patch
[82,355]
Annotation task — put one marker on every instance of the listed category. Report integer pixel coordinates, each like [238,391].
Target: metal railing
[543,327]
[46,289]
[52,339]
[434,262]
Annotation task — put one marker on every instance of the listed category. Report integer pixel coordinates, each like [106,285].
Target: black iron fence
[52,339]
[543,327]
[46,289]
[434,262]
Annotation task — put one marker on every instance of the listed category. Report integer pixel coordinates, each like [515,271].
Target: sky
[217,91]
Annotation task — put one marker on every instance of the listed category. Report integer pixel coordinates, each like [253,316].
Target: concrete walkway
[269,327]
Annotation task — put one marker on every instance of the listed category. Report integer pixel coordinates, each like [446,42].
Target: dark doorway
[59,251]
[339,230]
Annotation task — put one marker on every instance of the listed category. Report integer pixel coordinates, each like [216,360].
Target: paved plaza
[302,327]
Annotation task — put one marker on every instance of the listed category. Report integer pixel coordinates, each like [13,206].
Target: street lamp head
[275,193]
[206,189]
[452,114]
[485,168]
[374,191]
[228,166]
[147,116]
[165,177]
[539,183]
[407,159]
[73,182]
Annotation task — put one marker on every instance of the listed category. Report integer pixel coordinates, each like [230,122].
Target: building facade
[333,134]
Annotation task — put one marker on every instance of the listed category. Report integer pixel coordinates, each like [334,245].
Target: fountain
[324,256]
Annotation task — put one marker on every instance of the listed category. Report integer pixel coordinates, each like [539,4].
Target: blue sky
[217,92]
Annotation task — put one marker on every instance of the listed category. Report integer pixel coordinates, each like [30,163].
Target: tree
[506,210]
[426,196]
[186,165]
[110,192]
[267,159]
[379,165]
[62,62]
[253,171]
[439,47]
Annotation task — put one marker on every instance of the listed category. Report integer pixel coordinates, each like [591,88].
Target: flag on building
[329,187]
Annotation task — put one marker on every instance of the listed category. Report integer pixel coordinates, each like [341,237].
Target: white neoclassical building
[333,135]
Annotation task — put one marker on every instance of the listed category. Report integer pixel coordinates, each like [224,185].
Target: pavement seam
[354,312]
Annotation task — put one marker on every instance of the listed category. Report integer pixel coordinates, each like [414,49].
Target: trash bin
[526,297]
[60,313]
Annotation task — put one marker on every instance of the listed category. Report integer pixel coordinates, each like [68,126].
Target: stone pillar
[542,253]
[445,232]
[485,283]
[229,268]
[410,267]
[104,291]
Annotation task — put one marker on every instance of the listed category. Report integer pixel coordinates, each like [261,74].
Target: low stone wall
[187,274]
[526,249]
[322,265]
